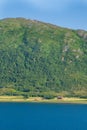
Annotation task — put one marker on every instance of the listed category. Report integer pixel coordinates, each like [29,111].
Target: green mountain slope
[41,59]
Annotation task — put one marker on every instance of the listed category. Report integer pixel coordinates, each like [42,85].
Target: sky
[65,13]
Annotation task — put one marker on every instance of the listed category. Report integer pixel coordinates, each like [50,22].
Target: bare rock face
[82,34]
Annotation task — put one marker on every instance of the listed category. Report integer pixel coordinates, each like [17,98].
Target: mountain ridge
[41,59]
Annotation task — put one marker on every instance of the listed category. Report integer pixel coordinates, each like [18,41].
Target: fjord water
[40,116]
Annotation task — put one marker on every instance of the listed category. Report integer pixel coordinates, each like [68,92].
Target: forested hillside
[40,59]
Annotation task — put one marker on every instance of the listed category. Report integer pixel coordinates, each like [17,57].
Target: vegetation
[39,59]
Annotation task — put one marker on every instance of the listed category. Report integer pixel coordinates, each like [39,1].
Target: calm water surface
[40,116]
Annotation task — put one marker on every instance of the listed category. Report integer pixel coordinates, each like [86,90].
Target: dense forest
[41,59]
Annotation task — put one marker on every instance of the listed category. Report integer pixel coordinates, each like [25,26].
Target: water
[40,116]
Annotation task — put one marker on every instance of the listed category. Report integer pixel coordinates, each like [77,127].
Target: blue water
[39,116]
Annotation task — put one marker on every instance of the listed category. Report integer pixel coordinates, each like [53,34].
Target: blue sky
[65,13]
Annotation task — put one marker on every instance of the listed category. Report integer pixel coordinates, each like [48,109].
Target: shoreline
[41,100]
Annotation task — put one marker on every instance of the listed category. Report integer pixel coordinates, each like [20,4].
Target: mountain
[41,59]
